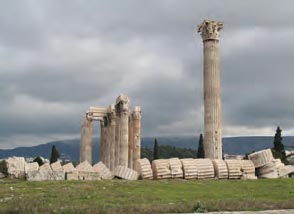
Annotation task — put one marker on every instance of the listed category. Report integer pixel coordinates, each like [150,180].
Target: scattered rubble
[205,169]
[220,169]
[161,169]
[70,172]
[102,170]
[31,167]
[175,166]
[261,164]
[16,167]
[86,172]
[125,173]
[268,167]
[143,167]
[189,168]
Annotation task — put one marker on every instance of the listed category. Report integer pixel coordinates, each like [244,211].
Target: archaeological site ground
[124,182]
[164,196]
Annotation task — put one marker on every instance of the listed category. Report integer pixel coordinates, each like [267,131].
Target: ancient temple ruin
[120,139]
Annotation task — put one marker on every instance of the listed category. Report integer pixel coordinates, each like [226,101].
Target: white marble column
[136,124]
[124,138]
[86,140]
[122,108]
[131,143]
[102,142]
[209,31]
[107,143]
[117,140]
[112,124]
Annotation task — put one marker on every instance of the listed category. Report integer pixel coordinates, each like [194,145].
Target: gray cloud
[57,58]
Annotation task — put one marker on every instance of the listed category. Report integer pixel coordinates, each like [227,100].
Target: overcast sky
[58,57]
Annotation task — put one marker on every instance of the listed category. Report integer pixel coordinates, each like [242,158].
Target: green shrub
[199,208]
[3,167]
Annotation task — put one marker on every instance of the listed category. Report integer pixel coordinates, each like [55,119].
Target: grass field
[120,196]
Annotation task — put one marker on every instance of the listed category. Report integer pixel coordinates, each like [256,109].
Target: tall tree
[279,149]
[155,150]
[200,151]
[54,154]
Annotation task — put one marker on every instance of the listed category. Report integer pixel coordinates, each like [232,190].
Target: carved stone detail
[210,29]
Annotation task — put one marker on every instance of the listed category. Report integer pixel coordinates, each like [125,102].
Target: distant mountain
[71,148]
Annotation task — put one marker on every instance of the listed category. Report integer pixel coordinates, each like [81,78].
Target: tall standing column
[136,124]
[122,109]
[102,142]
[117,140]
[107,143]
[131,143]
[112,117]
[124,138]
[209,31]
[86,140]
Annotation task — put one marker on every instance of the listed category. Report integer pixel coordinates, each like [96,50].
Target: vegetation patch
[165,196]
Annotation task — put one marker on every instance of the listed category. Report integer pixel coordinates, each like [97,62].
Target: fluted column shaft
[107,146]
[212,101]
[124,138]
[112,144]
[209,31]
[131,143]
[117,142]
[136,124]
[86,140]
[102,142]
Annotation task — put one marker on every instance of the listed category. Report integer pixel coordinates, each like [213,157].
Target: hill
[71,148]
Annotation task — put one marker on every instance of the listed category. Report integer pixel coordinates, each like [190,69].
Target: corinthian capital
[210,29]
[137,113]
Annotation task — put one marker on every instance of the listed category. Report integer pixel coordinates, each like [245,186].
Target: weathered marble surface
[16,167]
[143,167]
[176,169]
[125,173]
[103,171]
[209,31]
[220,169]
[189,168]
[161,169]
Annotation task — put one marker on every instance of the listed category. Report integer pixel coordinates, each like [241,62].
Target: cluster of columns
[209,31]
[120,139]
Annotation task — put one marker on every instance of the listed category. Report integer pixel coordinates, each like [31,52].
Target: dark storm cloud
[57,58]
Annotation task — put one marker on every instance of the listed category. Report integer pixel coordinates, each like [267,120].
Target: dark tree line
[166,151]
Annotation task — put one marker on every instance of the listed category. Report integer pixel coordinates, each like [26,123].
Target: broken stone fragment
[143,167]
[102,170]
[70,172]
[86,171]
[56,166]
[220,169]
[31,167]
[205,169]
[69,167]
[234,169]
[261,158]
[43,174]
[125,173]
[175,166]
[57,171]
[161,169]
[189,168]
[16,167]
